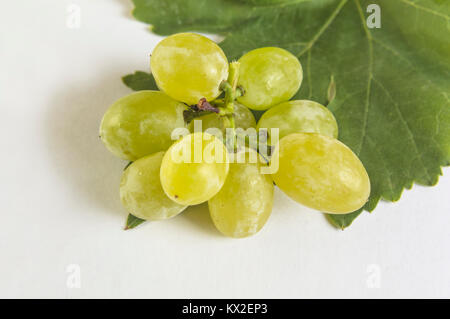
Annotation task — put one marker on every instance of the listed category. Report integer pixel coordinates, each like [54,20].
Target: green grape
[140,124]
[188,67]
[194,168]
[244,203]
[243,118]
[321,172]
[269,76]
[141,192]
[299,117]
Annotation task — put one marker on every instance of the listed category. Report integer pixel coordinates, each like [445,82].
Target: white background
[60,205]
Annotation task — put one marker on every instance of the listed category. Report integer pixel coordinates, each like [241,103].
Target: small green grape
[269,76]
[194,168]
[299,117]
[141,192]
[188,67]
[243,118]
[140,124]
[321,172]
[243,205]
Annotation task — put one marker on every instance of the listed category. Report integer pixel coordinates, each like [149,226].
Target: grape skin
[244,203]
[191,182]
[140,124]
[321,172]
[141,192]
[188,67]
[269,76]
[300,116]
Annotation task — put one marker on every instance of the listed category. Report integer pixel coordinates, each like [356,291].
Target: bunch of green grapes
[183,141]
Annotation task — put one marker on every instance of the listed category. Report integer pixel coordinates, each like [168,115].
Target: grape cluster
[175,164]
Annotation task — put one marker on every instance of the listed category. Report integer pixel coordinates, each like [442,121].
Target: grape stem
[224,107]
[232,92]
[204,105]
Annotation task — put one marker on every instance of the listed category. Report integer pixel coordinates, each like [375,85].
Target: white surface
[60,203]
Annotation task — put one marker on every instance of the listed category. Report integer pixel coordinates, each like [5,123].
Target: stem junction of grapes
[224,106]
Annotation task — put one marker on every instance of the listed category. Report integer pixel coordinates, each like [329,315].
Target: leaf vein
[369,78]
[419,7]
[408,129]
[325,26]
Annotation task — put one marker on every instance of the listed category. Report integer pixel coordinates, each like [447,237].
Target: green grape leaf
[140,81]
[133,221]
[390,85]
[343,221]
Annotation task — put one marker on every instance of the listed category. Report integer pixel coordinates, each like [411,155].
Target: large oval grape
[244,203]
[243,118]
[141,192]
[140,124]
[321,172]
[188,67]
[299,117]
[194,168]
[269,76]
